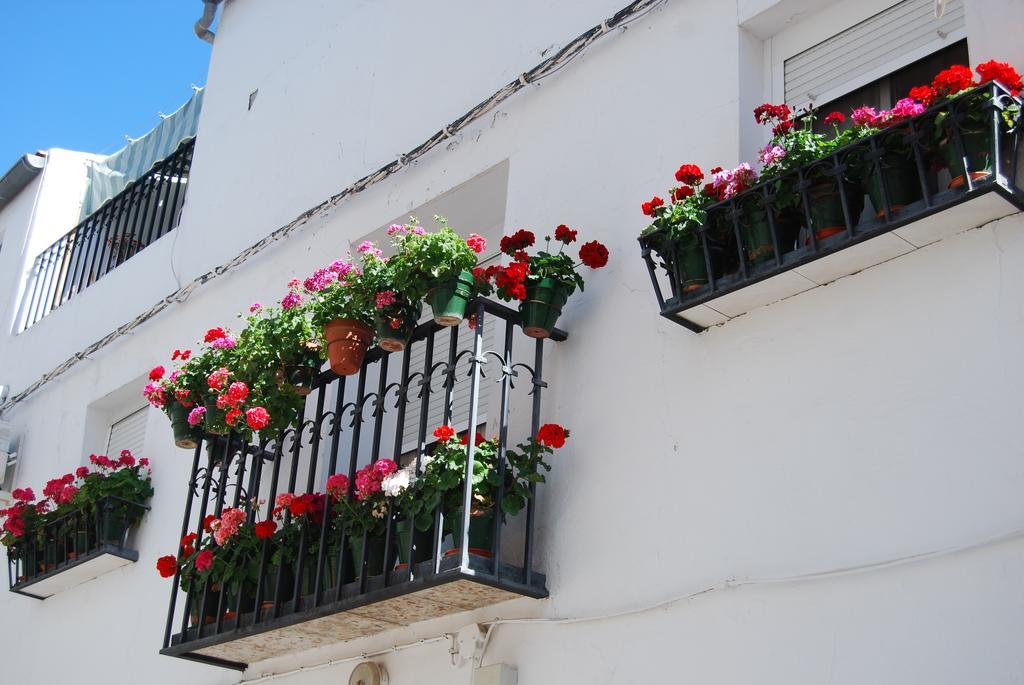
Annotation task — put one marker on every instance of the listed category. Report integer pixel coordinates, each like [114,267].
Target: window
[872,61]
[884,92]
[128,433]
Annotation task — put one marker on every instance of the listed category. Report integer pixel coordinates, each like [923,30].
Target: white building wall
[871,420]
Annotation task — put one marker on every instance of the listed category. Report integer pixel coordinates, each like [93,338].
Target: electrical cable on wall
[730,583]
[552,65]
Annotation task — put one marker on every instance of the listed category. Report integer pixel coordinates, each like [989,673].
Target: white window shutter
[128,434]
[461,397]
[889,40]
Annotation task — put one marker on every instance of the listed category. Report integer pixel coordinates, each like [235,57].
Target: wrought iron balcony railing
[334,591]
[74,548]
[147,209]
[951,168]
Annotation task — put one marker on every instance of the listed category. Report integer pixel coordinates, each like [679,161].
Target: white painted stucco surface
[872,419]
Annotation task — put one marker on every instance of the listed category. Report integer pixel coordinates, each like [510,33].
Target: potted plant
[22,531]
[973,120]
[414,502]
[445,475]
[437,266]
[396,313]
[364,515]
[542,282]
[114,493]
[342,307]
[279,347]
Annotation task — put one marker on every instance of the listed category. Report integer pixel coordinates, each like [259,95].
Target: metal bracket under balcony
[871,201]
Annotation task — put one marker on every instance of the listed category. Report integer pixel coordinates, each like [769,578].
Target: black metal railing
[347,423]
[949,154]
[72,539]
[145,210]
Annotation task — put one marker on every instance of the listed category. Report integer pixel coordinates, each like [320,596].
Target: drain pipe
[206,21]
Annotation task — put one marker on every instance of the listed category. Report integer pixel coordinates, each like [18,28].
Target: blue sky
[82,74]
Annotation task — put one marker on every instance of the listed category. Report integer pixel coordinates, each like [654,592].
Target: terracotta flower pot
[347,342]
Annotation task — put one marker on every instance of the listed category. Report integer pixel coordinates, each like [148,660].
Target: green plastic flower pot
[757,235]
[422,543]
[978,149]
[543,305]
[374,554]
[902,185]
[449,299]
[827,206]
[692,270]
[270,589]
[481,533]
[393,332]
[185,436]
[302,375]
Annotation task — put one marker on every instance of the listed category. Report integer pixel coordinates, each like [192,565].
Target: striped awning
[108,177]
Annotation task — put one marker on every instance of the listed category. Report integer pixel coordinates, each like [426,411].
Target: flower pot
[543,304]
[302,375]
[901,184]
[978,148]
[481,533]
[374,554]
[393,332]
[692,270]
[207,609]
[449,299]
[287,592]
[114,525]
[347,342]
[233,605]
[185,436]
[826,206]
[756,232]
[422,543]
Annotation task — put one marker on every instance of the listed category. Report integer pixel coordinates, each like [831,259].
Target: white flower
[396,483]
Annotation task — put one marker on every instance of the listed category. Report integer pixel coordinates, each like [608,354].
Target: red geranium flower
[167,566]
[952,80]
[210,518]
[476,441]
[265,529]
[476,243]
[258,418]
[214,334]
[337,485]
[1002,72]
[924,94]
[444,433]
[552,435]
[689,174]
[204,560]
[565,234]
[782,128]
[594,254]
[520,240]
[835,118]
[232,416]
[156,373]
[648,208]
[681,193]
[237,392]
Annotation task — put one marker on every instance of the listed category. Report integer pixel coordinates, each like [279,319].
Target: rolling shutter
[881,44]
[461,396]
[128,434]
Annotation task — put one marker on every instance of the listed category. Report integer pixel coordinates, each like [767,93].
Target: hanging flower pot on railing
[302,374]
[977,148]
[448,299]
[374,554]
[541,282]
[186,436]
[757,234]
[347,342]
[395,321]
[540,310]
[902,185]
[826,206]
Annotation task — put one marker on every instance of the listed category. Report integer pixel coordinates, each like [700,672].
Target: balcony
[147,209]
[340,587]
[876,199]
[74,549]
